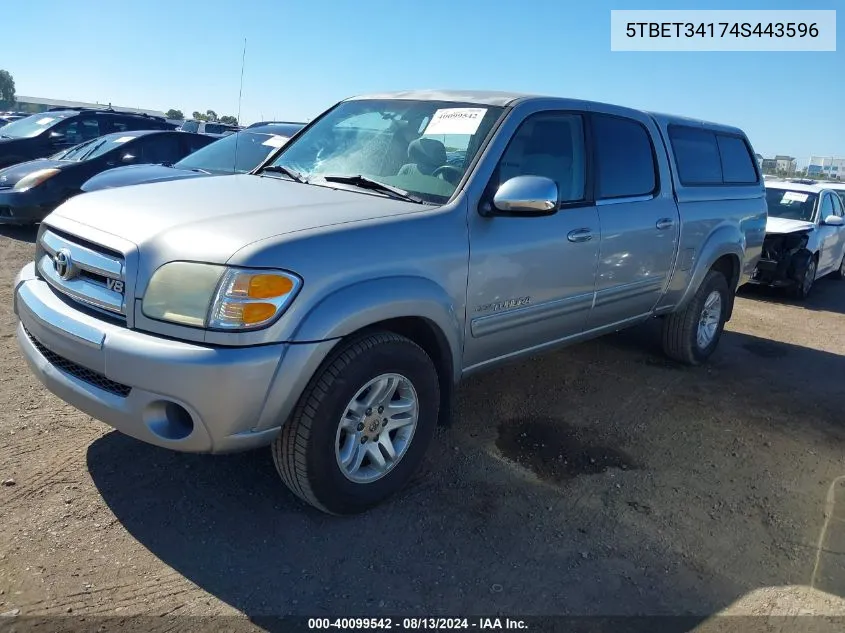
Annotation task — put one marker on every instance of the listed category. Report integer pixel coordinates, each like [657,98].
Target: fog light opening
[169,420]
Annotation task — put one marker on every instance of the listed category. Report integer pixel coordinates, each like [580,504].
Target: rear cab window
[625,159]
[705,157]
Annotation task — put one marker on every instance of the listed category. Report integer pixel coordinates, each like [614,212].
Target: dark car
[238,153]
[265,123]
[30,191]
[40,135]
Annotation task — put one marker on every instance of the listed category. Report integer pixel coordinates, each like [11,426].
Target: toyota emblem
[63,264]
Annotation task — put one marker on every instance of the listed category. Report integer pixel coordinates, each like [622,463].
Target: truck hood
[135,175]
[779,226]
[211,218]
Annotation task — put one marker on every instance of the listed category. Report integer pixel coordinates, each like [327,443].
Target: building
[826,167]
[769,166]
[780,165]
[38,104]
[785,164]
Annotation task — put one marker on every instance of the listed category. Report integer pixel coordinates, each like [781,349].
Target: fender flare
[725,240]
[360,305]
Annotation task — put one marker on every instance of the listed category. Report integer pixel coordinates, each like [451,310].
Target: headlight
[34,179]
[218,297]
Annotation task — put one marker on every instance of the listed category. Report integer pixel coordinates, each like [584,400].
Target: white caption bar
[723,30]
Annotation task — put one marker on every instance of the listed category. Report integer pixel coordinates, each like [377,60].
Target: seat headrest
[427,153]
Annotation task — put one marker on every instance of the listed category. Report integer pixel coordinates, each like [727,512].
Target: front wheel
[804,284]
[362,426]
[691,335]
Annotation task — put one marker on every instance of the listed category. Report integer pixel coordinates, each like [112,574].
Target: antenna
[240,97]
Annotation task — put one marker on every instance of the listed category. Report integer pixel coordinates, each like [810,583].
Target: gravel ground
[598,480]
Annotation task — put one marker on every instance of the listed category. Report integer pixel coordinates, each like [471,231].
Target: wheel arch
[724,251]
[414,307]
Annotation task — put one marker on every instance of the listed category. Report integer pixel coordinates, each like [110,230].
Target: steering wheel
[449,173]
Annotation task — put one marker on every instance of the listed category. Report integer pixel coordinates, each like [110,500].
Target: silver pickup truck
[329,303]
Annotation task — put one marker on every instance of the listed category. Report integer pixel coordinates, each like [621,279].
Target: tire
[308,451]
[681,329]
[805,281]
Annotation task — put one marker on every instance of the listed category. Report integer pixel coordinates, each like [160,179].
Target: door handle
[580,235]
[664,223]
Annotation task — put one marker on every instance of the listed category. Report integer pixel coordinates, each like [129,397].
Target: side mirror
[57,138]
[834,220]
[526,196]
[128,158]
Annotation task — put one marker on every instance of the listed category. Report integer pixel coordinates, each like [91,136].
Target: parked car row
[8,117]
[30,190]
[327,302]
[40,135]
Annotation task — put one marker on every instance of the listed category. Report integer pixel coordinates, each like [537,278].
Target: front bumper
[177,395]
[25,207]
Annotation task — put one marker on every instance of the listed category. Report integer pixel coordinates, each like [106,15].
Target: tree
[230,120]
[210,115]
[199,116]
[7,87]
[174,114]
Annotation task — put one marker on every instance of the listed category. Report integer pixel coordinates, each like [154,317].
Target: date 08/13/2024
[720,29]
[419,623]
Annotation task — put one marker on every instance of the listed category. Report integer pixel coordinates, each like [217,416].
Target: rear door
[637,213]
[839,247]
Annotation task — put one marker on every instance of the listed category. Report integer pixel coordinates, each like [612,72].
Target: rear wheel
[361,429]
[804,284]
[691,335]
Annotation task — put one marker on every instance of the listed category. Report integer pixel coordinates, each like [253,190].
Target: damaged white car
[805,237]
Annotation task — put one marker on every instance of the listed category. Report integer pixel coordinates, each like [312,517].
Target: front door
[639,222]
[829,237]
[531,278]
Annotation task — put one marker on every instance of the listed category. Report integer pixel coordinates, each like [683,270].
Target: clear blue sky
[301,57]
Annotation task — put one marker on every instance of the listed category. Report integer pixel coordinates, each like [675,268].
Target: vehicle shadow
[827,295]
[478,532]
[441,548]
[19,233]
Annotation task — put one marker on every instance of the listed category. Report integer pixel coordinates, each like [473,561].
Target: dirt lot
[598,480]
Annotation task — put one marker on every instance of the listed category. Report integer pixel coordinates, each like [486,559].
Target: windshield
[30,126]
[95,147]
[792,205]
[219,157]
[422,147]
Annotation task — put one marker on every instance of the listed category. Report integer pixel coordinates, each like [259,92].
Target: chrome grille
[89,275]
[78,371]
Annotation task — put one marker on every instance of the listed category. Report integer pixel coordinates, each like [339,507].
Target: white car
[805,236]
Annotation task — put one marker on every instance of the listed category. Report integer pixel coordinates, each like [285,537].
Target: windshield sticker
[275,141]
[45,120]
[455,121]
[794,196]
[123,139]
